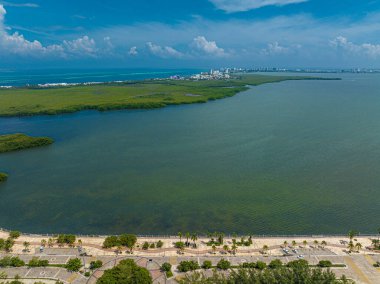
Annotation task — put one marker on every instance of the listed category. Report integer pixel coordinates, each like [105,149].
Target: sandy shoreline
[93,245]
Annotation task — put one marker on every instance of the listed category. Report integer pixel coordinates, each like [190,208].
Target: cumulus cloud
[163,51]
[17,44]
[231,6]
[133,51]
[208,47]
[369,49]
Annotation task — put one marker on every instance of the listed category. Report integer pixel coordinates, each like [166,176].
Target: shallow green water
[292,157]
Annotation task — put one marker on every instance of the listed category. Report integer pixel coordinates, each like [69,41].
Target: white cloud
[163,51]
[232,6]
[10,4]
[208,47]
[17,44]
[133,51]
[369,49]
[83,45]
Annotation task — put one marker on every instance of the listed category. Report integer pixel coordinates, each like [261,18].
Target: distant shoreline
[144,94]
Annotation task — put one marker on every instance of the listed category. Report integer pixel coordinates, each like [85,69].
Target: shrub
[179,245]
[249,265]
[127,271]
[166,267]
[73,265]
[14,234]
[87,274]
[301,263]
[185,266]
[276,263]
[159,244]
[35,262]
[261,265]
[145,246]
[111,241]
[207,264]
[324,263]
[8,261]
[223,264]
[96,264]
[152,246]
[66,239]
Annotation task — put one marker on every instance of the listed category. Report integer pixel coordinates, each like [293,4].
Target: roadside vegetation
[127,271]
[297,271]
[146,94]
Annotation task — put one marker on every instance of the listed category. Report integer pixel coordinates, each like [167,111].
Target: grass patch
[16,142]
[146,94]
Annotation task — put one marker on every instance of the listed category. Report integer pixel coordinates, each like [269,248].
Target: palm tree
[213,249]
[294,243]
[323,243]
[194,238]
[43,243]
[358,247]
[351,246]
[352,234]
[265,249]
[220,238]
[285,243]
[26,246]
[118,250]
[50,242]
[234,248]
[305,242]
[316,242]
[226,249]
[180,236]
[376,243]
[79,243]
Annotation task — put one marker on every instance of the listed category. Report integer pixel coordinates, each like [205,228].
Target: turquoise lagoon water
[293,157]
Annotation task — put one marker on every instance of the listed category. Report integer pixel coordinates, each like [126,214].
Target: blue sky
[196,33]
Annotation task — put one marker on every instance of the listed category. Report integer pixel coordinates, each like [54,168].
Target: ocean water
[286,158]
[46,76]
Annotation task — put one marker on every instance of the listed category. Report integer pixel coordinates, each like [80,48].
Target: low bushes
[185,266]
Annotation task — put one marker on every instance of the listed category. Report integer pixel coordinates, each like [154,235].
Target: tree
[350,246]
[234,248]
[126,272]
[261,265]
[26,246]
[180,236]
[226,249]
[14,234]
[285,243]
[304,242]
[159,244]
[35,262]
[358,246]
[194,238]
[316,242]
[187,237]
[145,246]
[73,265]
[207,264]
[96,264]
[128,241]
[265,249]
[294,243]
[324,263]
[166,267]
[223,264]
[274,264]
[50,242]
[324,243]
[185,266]
[352,234]
[213,249]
